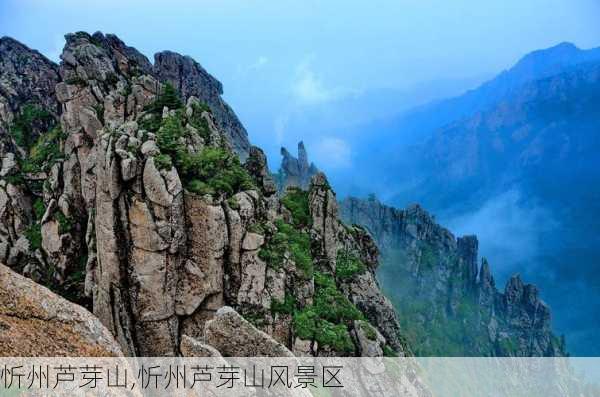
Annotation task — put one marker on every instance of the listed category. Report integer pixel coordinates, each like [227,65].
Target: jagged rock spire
[439,271]
[296,172]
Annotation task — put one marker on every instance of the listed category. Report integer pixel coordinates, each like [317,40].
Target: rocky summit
[295,171]
[447,300]
[130,188]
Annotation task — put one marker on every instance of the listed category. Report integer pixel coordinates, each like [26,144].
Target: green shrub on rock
[38,208]
[65,225]
[213,171]
[328,318]
[286,307]
[34,234]
[163,162]
[348,265]
[44,152]
[26,122]
[296,201]
[168,97]
[288,239]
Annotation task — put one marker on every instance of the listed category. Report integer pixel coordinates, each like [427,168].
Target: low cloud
[332,153]
[510,230]
[308,87]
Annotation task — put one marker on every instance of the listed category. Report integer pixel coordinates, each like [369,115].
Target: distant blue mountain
[522,149]
[392,142]
[415,124]
[533,66]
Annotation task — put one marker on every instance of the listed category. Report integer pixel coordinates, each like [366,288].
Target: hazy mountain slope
[416,123]
[447,302]
[524,172]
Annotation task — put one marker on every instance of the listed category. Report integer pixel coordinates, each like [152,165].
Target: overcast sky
[279,60]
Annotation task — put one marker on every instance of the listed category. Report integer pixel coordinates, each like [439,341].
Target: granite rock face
[145,203]
[438,285]
[37,322]
[190,79]
[26,77]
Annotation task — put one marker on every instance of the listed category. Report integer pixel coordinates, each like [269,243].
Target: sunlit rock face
[144,201]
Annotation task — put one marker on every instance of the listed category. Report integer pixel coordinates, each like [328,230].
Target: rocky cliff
[448,304]
[130,188]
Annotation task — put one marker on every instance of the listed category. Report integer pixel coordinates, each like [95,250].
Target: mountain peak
[564,53]
[296,171]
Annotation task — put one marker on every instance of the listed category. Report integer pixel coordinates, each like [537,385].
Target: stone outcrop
[37,322]
[26,77]
[232,335]
[335,238]
[27,83]
[295,172]
[437,285]
[143,201]
[190,79]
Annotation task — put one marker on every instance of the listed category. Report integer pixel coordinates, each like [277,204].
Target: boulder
[234,336]
[36,322]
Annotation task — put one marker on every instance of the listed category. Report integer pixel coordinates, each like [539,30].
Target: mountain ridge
[447,300]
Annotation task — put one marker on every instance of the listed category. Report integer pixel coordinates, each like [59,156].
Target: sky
[310,70]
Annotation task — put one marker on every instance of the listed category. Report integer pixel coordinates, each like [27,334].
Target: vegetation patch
[39,209]
[296,201]
[369,331]
[233,203]
[286,307]
[34,234]
[507,347]
[163,162]
[348,265]
[65,225]
[429,257]
[168,97]
[328,318]
[30,119]
[389,352]
[258,228]
[199,122]
[15,179]
[44,152]
[213,171]
[431,330]
[288,239]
